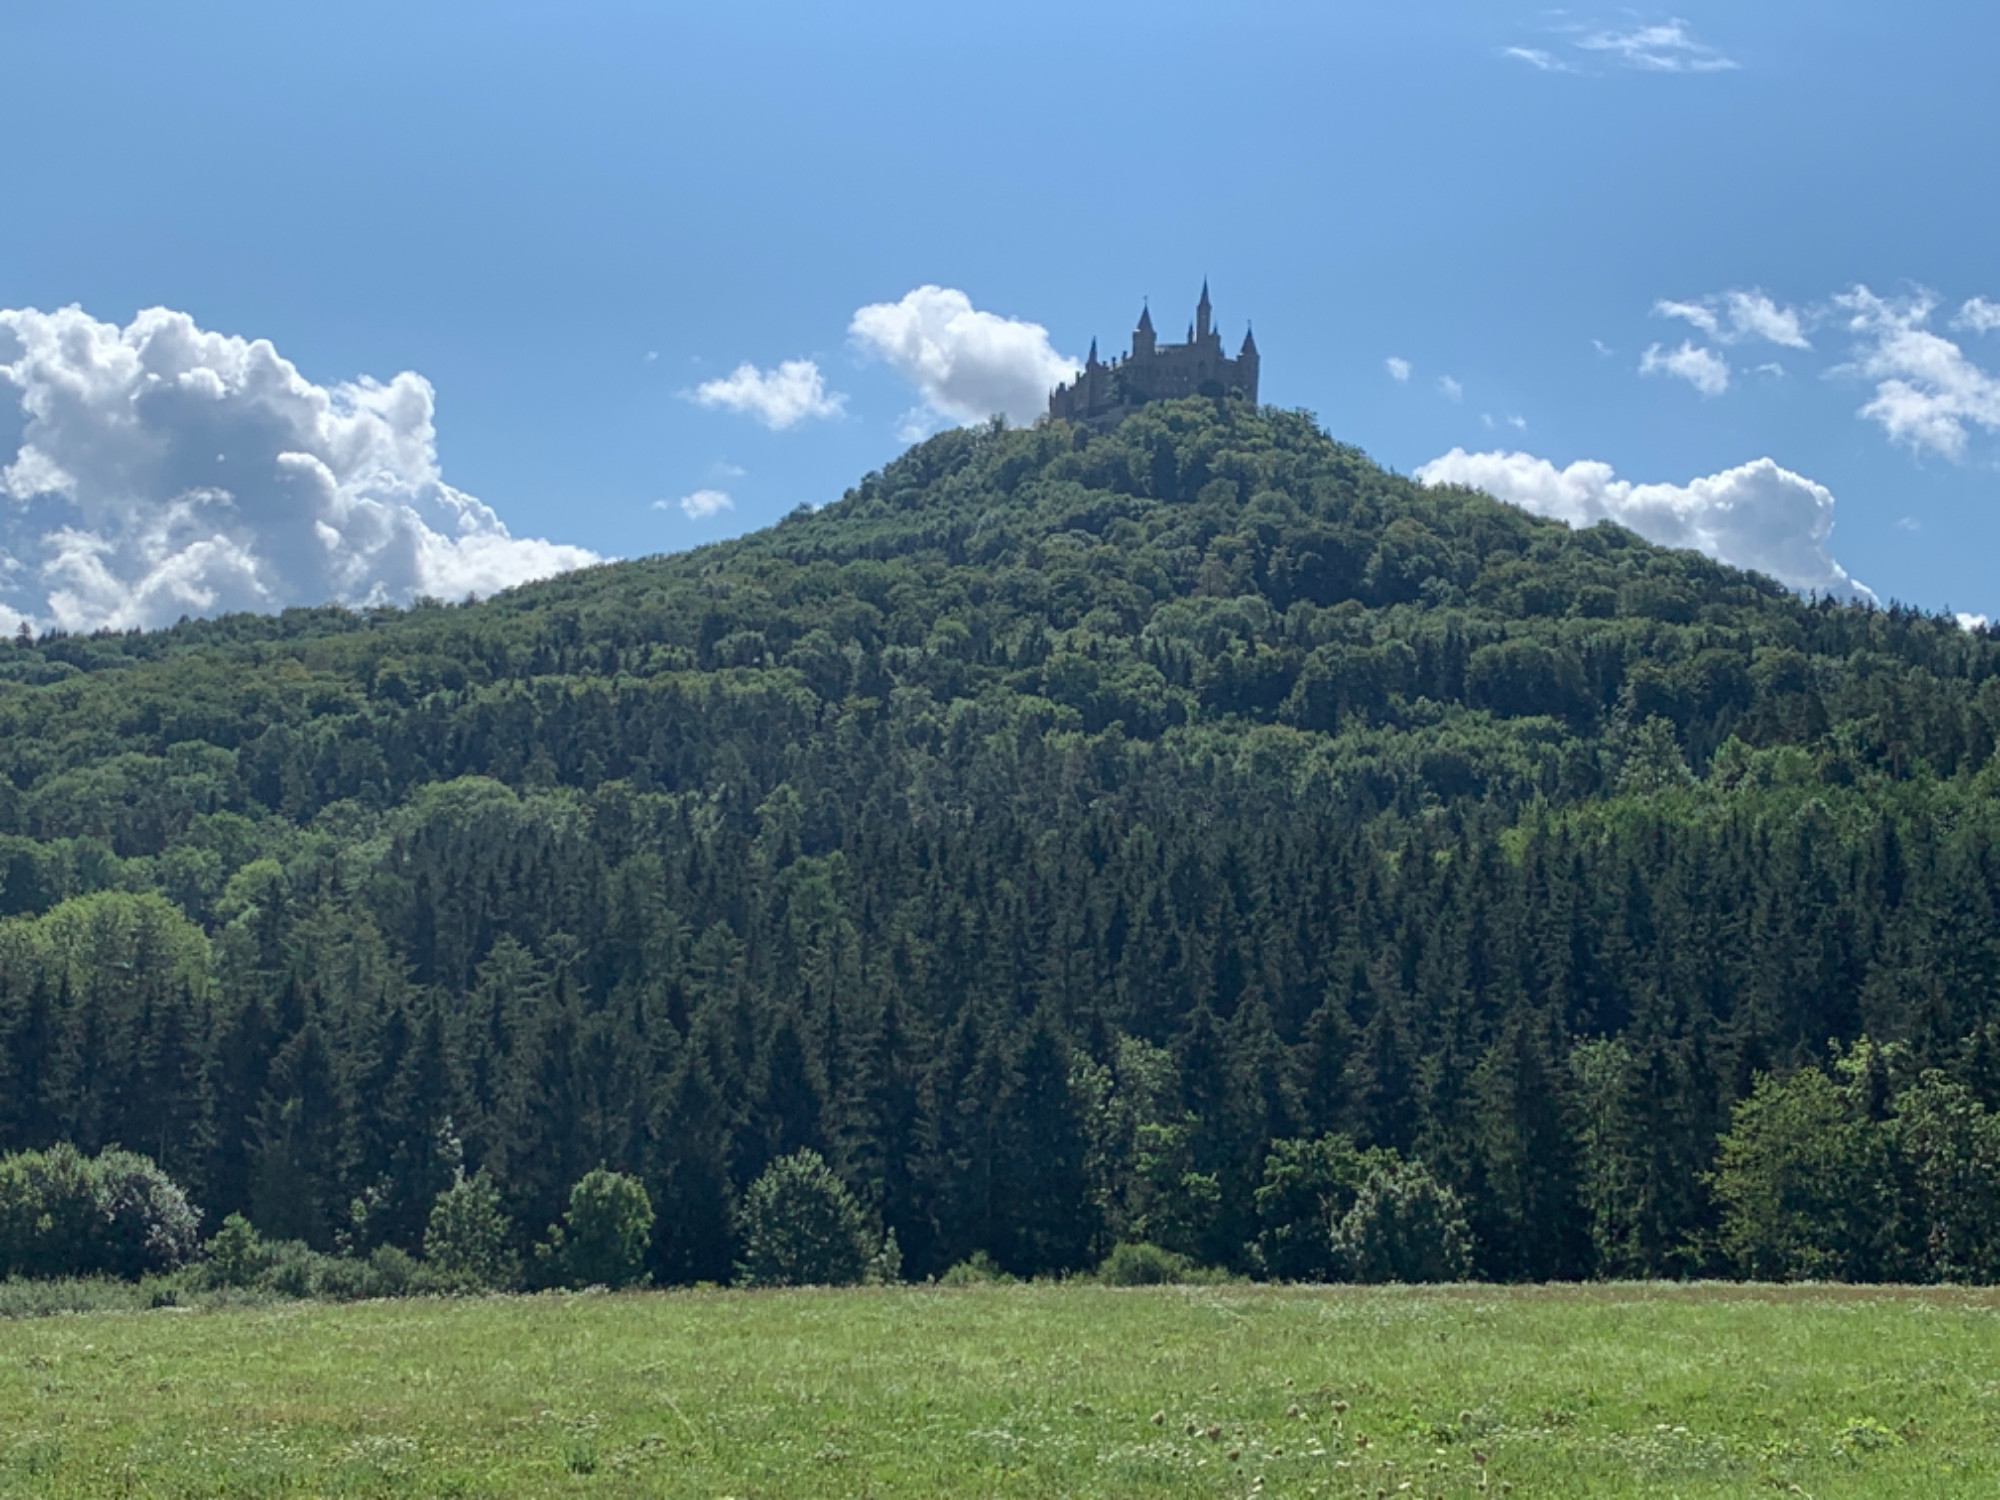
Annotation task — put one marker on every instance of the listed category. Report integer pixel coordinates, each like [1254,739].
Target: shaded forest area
[1073,838]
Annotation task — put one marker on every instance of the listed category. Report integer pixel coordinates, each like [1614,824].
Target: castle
[1157,372]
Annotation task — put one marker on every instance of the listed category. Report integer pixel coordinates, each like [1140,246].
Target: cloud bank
[1758,516]
[966,364]
[159,469]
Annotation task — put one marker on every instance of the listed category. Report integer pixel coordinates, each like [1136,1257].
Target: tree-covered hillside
[1064,833]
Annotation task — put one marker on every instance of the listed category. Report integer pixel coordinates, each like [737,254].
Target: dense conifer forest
[1173,834]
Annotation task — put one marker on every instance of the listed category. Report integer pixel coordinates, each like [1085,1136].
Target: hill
[1047,832]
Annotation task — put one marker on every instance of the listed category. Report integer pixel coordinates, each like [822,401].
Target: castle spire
[1142,336]
[1202,312]
[1091,363]
[1249,342]
[1145,318]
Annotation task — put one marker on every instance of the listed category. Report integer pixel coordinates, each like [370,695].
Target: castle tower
[1143,342]
[1202,314]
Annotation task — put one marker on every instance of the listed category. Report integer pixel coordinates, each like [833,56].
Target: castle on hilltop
[1159,372]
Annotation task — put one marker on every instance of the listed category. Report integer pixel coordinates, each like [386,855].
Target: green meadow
[1021,1390]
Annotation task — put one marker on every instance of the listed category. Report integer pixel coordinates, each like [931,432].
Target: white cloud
[1758,516]
[1667,47]
[1538,59]
[966,364]
[1735,316]
[1399,369]
[1604,350]
[778,398]
[1450,389]
[1971,622]
[702,504]
[1978,316]
[1926,390]
[163,470]
[1704,369]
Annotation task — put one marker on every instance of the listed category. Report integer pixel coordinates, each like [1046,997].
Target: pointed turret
[1249,342]
[1142,336]
[1202,313]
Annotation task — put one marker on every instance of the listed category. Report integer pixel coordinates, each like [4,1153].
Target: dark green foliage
[1308,1188]
[116,1214]
[1042,833]
[800,1226]
[1144,1265]
[603,1237]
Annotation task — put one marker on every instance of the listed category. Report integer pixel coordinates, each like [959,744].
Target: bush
[1145,1265]
[801,1227]
[1405,1226]
[237,1256]
[977,1269]
[602,1240]
[65,1214]
[466,1241]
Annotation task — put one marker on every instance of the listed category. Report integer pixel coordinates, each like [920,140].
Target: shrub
[1144,1265]
[801,1227]
[65,1214]
[1405,1226]
[237,1256]
[602,1240]
[466,1241]
[977,1269]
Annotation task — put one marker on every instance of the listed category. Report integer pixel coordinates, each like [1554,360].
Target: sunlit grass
[1021,1390]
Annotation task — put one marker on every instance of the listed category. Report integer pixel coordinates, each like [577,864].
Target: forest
[1173,835]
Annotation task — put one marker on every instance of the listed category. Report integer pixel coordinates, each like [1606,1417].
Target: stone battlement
[1158,372]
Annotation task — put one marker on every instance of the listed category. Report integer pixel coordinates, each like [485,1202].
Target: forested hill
[1054,832]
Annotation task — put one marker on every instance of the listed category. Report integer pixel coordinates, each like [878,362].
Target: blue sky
[567,220]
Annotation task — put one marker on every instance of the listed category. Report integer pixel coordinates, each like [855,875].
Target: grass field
[1018,1390]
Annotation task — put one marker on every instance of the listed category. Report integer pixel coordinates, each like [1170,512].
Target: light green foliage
[468,1238]
[602,1240]
[800,1226]
[1180,1393]
[1404,1226]
[65,1214]
[1806,1183]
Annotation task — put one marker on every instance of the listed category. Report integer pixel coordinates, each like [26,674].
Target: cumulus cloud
[1666,47]
[160,469]
[1926,389]
[966,364]
[1704,369]
[1450,389]
[1733,317]
[778,398]
[1978,316]
[1399,369]
[704,503]
[1758,516]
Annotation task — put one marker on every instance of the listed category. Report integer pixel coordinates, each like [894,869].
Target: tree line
[1169,835]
